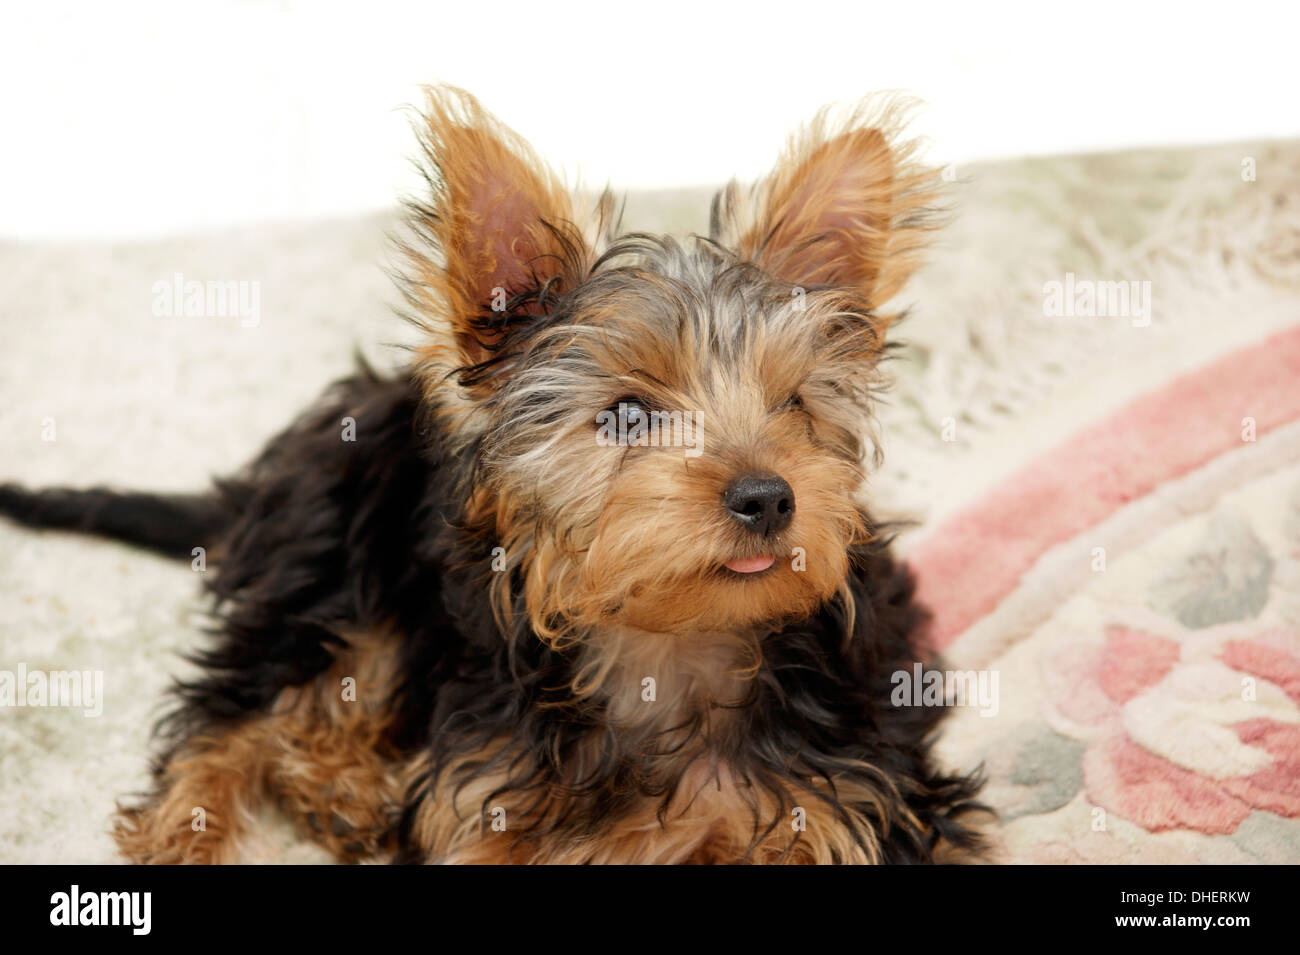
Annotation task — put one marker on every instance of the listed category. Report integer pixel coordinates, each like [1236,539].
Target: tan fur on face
[323,758]
[638,537]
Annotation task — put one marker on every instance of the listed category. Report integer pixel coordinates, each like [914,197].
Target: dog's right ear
[846,205]
[495,242]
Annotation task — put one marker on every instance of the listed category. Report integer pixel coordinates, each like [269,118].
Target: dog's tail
[169,524]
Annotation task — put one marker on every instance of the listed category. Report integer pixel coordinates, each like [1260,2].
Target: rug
[1137,591]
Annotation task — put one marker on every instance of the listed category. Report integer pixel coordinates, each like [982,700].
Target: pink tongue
[750,565]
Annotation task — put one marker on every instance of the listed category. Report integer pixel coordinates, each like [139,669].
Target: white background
[145,118]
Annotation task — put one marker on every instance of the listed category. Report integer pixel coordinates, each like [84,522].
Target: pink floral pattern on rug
[1172,742]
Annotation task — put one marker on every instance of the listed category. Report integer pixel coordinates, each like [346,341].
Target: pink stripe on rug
[970,563]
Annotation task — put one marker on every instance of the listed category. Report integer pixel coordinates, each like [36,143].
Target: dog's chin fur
[475,633]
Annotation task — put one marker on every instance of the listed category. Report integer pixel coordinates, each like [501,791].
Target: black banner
[327,905]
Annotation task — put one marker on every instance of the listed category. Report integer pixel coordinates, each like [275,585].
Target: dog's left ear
[846,205]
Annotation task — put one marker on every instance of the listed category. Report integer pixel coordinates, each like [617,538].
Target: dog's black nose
[763,504]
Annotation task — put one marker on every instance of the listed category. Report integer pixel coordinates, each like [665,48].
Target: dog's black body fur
[319,536]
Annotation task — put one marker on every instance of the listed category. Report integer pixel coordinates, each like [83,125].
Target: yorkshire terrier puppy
[590,580]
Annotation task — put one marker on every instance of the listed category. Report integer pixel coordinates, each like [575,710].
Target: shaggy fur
[454,626]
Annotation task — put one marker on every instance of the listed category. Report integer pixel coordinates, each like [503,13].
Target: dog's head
[666,436]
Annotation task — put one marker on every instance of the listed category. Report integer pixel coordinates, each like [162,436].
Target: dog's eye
[627,412]
[793,403]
